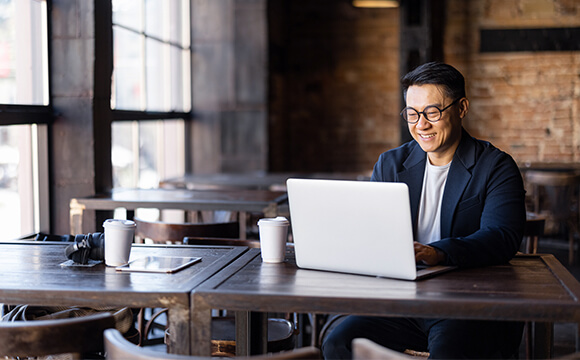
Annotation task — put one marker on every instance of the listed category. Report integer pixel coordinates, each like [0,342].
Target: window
[151,97]
[25,113]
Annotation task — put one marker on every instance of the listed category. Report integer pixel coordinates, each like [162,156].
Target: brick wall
[334,82]
[334,87]
[526,103]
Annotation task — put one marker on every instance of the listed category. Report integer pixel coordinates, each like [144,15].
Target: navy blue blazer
[483,210]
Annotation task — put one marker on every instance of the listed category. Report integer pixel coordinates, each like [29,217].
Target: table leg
[200,333]
[179,328]
[543,343]
[243,219]
[251,333]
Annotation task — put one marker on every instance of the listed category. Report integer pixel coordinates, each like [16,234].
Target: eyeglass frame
[425,114]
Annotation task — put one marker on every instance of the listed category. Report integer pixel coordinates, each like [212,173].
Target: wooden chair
[163,233]
[50,337]
[555,195]
[365,349]
[535,224]
[118,348]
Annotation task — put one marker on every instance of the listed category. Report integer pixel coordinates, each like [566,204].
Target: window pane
[19,175]
[150,148]
[156,18]
[127,13]
[127,80]
[157,68]
[23,55]
[179,15]
[123,155]
[152,67]
[146,152]
[180,90]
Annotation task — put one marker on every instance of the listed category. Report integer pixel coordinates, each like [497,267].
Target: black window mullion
[128,115]
[25,114]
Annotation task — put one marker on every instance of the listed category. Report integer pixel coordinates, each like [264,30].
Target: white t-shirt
[429,222]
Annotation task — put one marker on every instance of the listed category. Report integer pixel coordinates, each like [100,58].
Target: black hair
[436,73]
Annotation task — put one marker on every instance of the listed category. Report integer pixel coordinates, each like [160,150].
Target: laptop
[358,227]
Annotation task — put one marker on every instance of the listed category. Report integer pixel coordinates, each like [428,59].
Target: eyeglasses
[431,113]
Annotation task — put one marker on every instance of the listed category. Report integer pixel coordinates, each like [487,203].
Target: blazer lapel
[412,175]
[457,180]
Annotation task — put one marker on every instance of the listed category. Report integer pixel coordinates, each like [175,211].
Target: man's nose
[422,122]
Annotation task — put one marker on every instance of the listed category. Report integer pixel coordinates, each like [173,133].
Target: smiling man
[468,209]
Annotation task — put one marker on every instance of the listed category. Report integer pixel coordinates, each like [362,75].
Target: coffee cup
[119,235]
[273,236]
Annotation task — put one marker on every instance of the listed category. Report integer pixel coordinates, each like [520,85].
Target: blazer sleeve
[489,221]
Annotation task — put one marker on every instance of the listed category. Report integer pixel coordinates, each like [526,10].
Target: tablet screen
[163,264]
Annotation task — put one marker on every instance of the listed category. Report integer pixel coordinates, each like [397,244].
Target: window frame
[139,116]
[34,115]
[26,114]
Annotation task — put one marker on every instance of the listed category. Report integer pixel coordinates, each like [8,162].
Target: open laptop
[356,227]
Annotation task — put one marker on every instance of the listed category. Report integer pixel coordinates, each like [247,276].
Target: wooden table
[270,203]
[535,288]
[32,274]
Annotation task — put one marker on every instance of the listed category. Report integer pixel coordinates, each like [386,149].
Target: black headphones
[85,247]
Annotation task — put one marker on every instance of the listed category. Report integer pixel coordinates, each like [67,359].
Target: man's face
[438,139]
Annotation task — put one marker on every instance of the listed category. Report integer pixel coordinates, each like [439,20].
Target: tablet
[159,264]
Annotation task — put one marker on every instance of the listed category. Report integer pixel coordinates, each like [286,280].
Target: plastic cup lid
[277,221]
[119,223]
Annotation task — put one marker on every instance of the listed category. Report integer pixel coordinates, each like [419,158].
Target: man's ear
[463,107]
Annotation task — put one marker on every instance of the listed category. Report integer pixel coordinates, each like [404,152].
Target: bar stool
[555,196]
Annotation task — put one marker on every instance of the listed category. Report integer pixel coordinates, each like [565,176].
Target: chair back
[533,230]
[559,189]
[49,337]
[162,232]
[118,348]
[555,195]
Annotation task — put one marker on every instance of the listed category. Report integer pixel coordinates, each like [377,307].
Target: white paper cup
[119,235]
[273,236]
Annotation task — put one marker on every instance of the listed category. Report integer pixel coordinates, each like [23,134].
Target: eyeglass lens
[431,113]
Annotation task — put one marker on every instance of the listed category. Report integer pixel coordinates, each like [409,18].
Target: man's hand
[428,254]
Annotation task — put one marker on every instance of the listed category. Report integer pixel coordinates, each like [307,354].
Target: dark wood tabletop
[32,274]
[530,288]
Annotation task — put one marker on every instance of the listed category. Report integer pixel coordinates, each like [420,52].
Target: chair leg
[528,340]
[571,246]
[577,337]
[141,325]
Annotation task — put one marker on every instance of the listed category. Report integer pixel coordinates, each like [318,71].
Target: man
[467,204]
